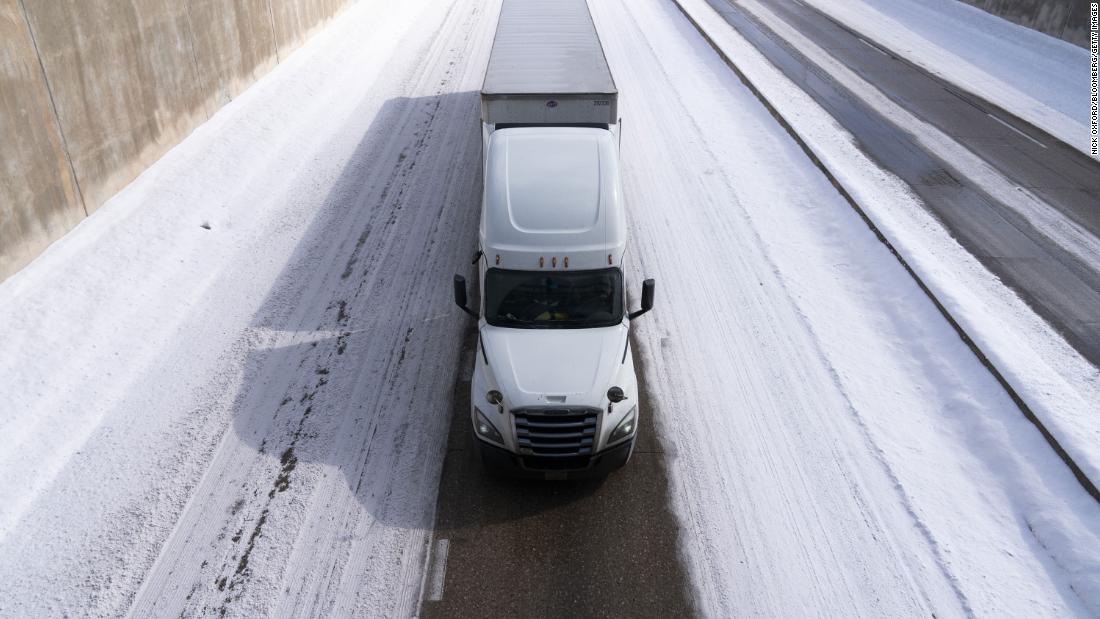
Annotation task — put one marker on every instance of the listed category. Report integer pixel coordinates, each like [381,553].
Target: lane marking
[872,46]
[799,3]
[1015,129]
[439,570]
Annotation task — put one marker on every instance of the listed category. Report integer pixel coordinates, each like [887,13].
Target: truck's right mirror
[648,287]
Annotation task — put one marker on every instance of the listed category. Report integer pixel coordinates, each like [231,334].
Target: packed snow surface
[1035,76]
[227,390]
[836,445]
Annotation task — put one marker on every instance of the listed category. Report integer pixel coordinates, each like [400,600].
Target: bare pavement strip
[509,547]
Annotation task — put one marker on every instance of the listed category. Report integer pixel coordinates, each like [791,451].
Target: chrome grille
[556,432]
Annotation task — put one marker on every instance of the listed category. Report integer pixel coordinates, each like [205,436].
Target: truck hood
[535,367]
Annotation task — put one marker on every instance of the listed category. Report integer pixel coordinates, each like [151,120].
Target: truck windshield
[550,300]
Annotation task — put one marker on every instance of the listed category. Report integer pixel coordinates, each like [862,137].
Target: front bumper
[505,462]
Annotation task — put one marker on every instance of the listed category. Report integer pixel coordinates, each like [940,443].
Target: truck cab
[554,391]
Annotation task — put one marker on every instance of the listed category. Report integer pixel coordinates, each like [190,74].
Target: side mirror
[647,298]
[460,295]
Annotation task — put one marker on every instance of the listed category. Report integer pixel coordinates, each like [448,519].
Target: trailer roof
[544,47]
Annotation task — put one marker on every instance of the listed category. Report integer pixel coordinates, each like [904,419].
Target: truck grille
[557,432]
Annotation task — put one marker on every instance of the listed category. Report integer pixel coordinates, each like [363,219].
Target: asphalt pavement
[527,548]
[1058,285]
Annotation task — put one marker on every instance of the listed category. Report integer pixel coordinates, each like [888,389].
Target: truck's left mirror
[460,295]
[647,298]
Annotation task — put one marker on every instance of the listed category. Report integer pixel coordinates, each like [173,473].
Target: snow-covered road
[836,446]
[228,389]
[250,418]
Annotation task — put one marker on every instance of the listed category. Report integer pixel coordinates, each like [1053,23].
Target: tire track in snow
[783,493]
[405,216]
[811,538]
[858,489]
[799,317]
[409,363]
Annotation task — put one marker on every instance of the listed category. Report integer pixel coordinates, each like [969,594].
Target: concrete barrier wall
[295,20]
[93,91]
[38,196]
[1065,19]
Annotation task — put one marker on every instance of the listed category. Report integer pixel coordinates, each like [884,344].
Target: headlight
[625,428]
[485,428]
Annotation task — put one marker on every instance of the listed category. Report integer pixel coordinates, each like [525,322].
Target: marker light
[554,262]
[608,258]
[498,258]
[540,261]
[567,262]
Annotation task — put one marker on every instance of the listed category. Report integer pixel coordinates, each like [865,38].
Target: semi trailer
[553,393]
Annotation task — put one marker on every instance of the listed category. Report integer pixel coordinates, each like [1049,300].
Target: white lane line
[1015,129]
[439,570]
[872,46]
[798,2]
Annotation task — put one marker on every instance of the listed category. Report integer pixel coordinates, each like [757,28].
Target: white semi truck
[554,393]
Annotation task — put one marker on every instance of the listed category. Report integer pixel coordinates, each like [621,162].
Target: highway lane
[282,459]
[609,547]
[522,548]
[1057,284]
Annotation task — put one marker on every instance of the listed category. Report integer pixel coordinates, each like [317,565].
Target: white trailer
[547,67]
[554,392]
